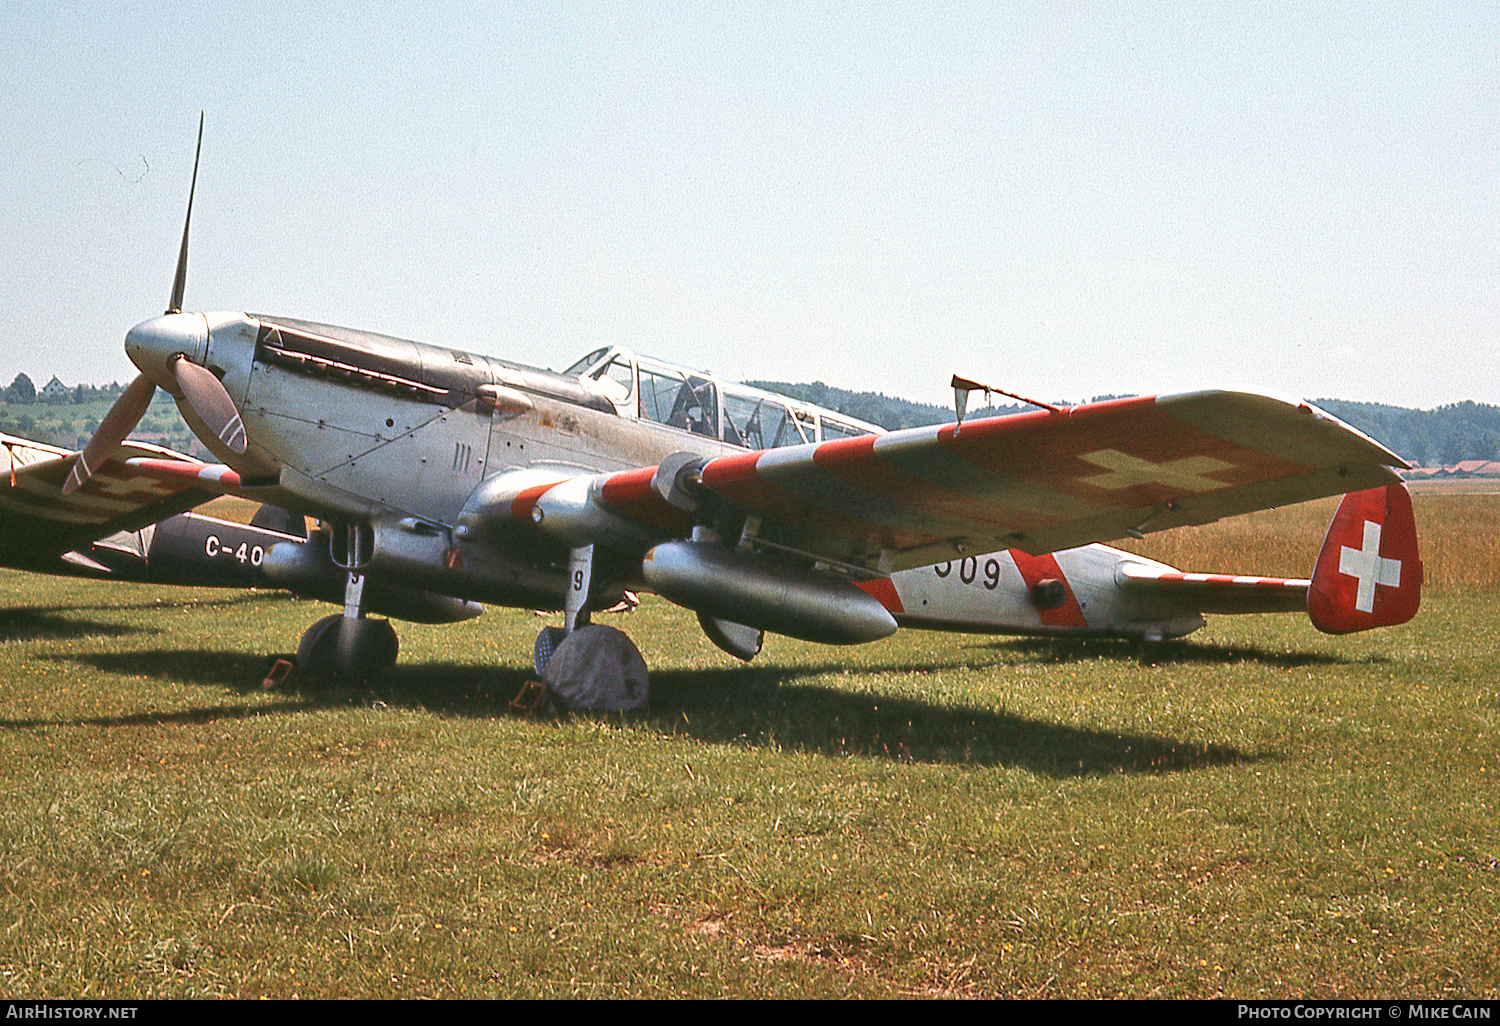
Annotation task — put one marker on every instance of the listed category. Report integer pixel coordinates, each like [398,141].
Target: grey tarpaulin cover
[597,667]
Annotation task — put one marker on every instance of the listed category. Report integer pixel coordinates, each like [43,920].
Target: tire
[317,653]
[546,643]
[353,649]
[365,648]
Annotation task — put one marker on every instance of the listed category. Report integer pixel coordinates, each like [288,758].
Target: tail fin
[1369,573]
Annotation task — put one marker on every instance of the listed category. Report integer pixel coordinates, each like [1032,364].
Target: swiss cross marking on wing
[142,488]
[1127,471]
[1369,568]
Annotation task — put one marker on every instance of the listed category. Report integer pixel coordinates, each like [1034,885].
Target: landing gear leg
[575,607]
[365,646]
[580,579]
[594,667]
[350,645]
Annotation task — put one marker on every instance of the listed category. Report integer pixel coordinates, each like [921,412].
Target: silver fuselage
[355,427]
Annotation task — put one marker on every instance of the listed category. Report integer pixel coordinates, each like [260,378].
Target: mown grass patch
[1258,810]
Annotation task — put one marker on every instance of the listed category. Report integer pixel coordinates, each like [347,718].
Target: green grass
[1257,811]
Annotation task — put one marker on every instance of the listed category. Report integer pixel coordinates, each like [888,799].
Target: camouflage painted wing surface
[1048,480]
[38,523]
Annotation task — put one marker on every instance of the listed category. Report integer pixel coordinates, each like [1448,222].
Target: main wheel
[356,649]
[546,643]
[598,668]
[366,647]
[317,653]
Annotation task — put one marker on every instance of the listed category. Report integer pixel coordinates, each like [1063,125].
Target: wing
[778,535]
[1048,480]
[38,523]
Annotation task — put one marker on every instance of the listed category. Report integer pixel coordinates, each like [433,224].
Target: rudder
[1369,572]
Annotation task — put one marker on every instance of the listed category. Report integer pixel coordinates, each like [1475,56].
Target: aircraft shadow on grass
[200,714]
[56,623]
[230,670]
[42,623]
[751,706]
[768,706]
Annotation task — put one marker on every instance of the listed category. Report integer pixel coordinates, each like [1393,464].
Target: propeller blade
[206,395]
[121,419]
[179,283]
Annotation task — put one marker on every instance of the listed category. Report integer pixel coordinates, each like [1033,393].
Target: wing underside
[1040,481]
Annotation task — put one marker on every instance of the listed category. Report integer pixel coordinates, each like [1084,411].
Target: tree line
[23,390]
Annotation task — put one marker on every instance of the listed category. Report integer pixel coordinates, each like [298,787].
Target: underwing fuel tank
[748,589]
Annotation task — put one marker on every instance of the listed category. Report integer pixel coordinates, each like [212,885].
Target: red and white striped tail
[1369,573]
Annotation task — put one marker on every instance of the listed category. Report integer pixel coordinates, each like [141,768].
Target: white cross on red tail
[1369,573]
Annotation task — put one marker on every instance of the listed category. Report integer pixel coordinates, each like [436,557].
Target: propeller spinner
[164,348]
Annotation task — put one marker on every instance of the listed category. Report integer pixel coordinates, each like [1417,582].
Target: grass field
[1259,810]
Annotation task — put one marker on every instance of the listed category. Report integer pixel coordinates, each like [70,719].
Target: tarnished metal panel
[546,383]
[285,399]
[380,362]
[427,472]
[416,451]
[590,441]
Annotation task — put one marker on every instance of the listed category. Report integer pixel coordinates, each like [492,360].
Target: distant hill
[875,407]
[70,420]
[1440,437]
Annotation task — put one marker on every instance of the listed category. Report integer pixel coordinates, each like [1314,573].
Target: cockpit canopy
[664,393]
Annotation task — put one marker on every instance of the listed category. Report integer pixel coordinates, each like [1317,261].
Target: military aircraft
[482,479]
[1092,590]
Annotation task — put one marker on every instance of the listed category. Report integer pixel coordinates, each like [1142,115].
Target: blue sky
[1063,200]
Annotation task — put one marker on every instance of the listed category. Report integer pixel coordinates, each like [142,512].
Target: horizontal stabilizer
[1216,593]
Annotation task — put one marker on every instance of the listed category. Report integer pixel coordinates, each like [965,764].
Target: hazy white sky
[1063,200]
